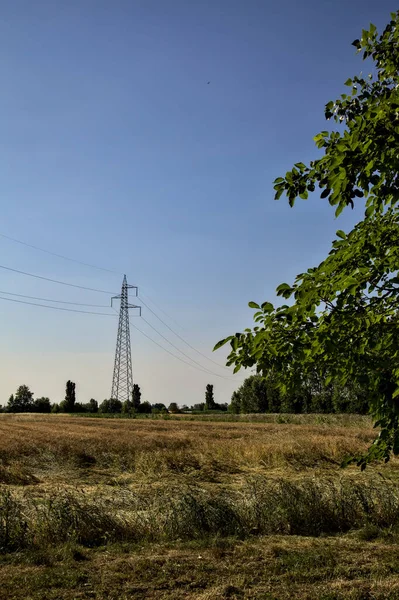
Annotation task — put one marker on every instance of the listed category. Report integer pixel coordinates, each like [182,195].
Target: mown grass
[168,509]
[155,447]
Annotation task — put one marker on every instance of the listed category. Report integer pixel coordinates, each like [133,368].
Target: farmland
[174,508]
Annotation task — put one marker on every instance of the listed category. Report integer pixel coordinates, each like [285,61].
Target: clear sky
[115,150]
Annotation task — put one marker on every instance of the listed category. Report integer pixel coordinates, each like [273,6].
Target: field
[202,509]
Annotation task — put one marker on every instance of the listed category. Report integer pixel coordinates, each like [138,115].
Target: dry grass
[112,508]
[156,447]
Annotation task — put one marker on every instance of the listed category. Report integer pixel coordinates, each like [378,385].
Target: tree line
[23,401]
[257,394]
[260,394]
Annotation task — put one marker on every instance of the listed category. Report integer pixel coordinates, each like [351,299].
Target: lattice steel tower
[122,381]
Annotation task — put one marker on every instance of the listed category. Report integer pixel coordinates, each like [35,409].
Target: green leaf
[369,211]
[341,234]
[283,287]
[222,342]
[267,306]
[253,305]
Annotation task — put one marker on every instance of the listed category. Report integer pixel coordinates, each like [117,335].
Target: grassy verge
[272,567]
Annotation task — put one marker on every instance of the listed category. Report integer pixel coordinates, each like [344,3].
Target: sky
[143,137]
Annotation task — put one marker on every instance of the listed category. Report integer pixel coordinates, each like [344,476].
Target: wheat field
[174,508]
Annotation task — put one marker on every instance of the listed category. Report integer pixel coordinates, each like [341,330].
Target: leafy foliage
[342,321]
[22,401]
[262,395]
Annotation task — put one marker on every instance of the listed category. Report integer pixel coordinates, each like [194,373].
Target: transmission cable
[55,301]
[85,312]
[169,352]
[184,354]
[79,262]
[161,309]
[180,337]
[81,287]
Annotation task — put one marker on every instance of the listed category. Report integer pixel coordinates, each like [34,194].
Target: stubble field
[178,508]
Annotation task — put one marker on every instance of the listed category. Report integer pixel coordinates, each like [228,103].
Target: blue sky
[115,150]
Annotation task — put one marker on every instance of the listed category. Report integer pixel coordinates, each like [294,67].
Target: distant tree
[173,408]
[55,408]
[112,406]
[235,404]
[251,396]
[42,405]
[185,408]
[115,406]
[70,397]
[104,407]
[79,407]
[136,397]
[146,408]
[22,401]
[209,399]
[127,407]
[93,406]
[199,407]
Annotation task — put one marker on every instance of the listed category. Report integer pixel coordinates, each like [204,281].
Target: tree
[104,407]
[22,401]
[70,397]
[111,406]
[209,399]
[93,406]
[251,396]
[146,408]
[342,320]
[42,405]
[174,408]
[136,397]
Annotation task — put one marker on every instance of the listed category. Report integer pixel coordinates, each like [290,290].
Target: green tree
[251,396]
[68,405]
[92,406]
[22,401]
[136,397]
[174,408]
[209,398]
[146,408]
[104,407]
[42,405]
[342,320]
[235,404]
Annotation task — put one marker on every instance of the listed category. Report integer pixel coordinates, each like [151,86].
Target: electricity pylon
[122,381]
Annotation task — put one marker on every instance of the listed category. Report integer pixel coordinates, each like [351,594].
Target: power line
[168,351]
[204,369]
[181,338]
[81,287]
[56,301]
[161,309]
[79,262]
[85,312]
